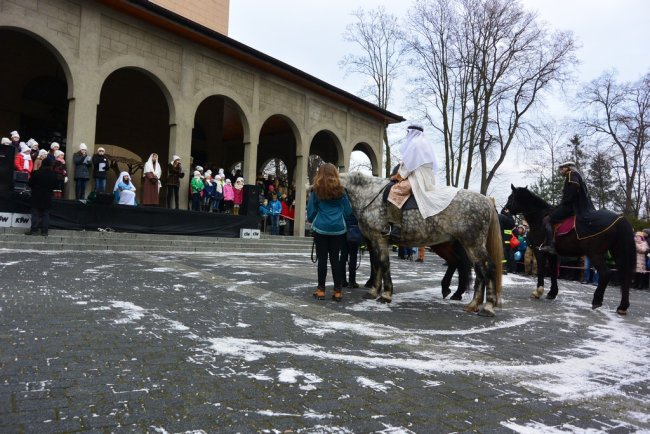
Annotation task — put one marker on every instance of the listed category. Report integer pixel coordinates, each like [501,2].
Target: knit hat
[197,174]
[42,153]
[31,143]
[58,153]
[14,134]
[101,149]
[6,141]
[208,172]
[24,148]
[199,168]
[83,147]
[54,145]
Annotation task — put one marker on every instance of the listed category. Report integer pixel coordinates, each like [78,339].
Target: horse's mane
[532,199]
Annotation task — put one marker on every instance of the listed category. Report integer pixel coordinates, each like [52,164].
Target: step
[14,238]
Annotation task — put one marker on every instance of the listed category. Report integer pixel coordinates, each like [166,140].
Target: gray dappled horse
[470,218]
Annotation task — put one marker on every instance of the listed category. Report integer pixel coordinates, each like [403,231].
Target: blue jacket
[275,207]
[327,217]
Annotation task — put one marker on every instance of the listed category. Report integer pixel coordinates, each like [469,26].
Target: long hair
[327,184]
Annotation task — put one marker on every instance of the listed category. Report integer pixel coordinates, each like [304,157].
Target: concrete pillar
[180,128]
[180,143]
[301,195]
[250,162]
[82,104]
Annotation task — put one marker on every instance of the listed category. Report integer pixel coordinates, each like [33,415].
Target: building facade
[136,78]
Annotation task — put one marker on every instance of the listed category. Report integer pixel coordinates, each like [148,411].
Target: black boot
[31,232]
[550,239]
[394,233]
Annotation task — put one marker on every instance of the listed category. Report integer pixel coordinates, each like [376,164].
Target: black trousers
[349,254]
[329,246]
[172,192]
[40,218]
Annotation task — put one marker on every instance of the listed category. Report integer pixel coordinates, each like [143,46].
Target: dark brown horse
[618,239]
[454,254]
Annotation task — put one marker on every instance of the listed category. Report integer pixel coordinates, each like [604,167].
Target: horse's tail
[494,247]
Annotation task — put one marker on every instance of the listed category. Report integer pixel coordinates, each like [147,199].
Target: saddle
[587,225]
[400,195]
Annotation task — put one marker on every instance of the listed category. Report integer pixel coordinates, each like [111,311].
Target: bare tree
[482,64]
[379,36]
[545,150]
[621,114]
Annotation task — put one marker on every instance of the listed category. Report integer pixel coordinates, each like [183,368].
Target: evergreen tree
[577,152]
[602,185]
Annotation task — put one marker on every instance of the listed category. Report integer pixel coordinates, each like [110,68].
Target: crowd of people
[276,204]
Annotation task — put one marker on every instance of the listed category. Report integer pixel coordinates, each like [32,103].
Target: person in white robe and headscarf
[151,181]
[416,174]
[124,189]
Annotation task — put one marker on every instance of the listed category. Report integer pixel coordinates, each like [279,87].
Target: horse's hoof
[550,296]
[537,293]
[471,308]
[458,296]
[486,312]
[621,311]
[596,306]
[445,292]
[383,299]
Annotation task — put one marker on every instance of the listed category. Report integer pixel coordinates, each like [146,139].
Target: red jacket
[19,163]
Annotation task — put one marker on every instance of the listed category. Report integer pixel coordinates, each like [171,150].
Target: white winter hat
[58,153]
[24,148]
[32,142]
[54,145]
[42,153]
[199,168]
[14,134]
[197,174]
[208,172]
[83,147]
[5,141]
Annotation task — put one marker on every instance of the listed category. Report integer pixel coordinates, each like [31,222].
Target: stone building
[136,78]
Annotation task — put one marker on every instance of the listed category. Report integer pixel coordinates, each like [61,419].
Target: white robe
[430,198]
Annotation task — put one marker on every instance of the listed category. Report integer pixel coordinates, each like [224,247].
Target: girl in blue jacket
[326,210]
[275,209]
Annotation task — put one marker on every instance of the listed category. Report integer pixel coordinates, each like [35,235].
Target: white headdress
[149,167]
[416,150]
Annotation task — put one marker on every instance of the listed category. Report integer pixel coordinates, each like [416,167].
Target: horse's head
[522,200]
[362,189]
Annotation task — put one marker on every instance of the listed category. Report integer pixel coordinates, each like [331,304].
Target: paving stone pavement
[224,343]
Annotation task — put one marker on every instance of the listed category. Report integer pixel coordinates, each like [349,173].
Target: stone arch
[220,131]
[364,146]
[276,130]
[60,52]
[133,118]
[155,73]
[328,146]
[35,101]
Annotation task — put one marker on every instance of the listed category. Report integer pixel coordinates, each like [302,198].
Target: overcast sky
[307,34]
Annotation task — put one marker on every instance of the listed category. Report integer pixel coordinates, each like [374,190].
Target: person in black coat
[42,183]
[575,201]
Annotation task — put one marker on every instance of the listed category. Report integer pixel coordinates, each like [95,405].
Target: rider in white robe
[419,165]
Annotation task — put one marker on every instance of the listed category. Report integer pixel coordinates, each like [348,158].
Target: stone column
[301,196]
[84,97]
[180,128]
